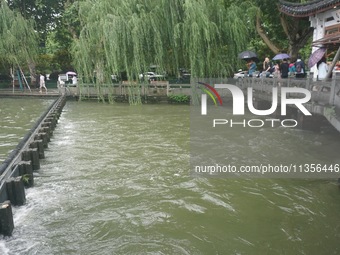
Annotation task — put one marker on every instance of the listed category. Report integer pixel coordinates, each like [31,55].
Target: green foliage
[44,63]
[128,36]
[18,44]
[26,178]
[329,112]
[179,98]
[45,13]
[62,60]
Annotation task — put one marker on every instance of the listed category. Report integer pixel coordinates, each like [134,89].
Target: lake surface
[117,180]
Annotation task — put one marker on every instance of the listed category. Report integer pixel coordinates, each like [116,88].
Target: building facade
[324,17]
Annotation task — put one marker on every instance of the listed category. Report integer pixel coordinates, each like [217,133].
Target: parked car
[151,76]
[240,74]
[114,77]
[70,78]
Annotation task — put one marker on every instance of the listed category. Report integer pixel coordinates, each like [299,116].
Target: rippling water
[17,116]
[116,180]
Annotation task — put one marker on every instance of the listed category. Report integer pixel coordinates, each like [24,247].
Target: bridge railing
[154,88]
[322,92]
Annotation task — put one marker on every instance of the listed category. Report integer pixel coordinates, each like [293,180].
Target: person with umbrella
[251,67]
[251,58]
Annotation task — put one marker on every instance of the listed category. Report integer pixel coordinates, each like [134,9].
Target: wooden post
[6,218]
[52,120]
[47,131]
[43,136]
[32,155]
[41,151]
[19,190]
[47,124]
[40,146]
[16,190]
[35,158]
[26,156]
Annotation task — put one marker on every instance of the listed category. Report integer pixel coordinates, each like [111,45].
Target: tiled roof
[308,8]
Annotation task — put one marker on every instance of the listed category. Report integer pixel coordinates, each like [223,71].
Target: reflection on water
[116,180]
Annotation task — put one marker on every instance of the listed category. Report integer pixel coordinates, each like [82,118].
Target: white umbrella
[71,73]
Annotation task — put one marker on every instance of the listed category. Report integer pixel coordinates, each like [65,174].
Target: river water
[17,117]
[116,180]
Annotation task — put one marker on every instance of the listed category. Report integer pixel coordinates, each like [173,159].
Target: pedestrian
[267,67]
[300,71]
[74,80]
[251,67]
[322,68]
[276,70]
[284,69]
[292,69]
[42,83]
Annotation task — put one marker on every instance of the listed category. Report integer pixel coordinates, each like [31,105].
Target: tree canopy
[203,36]
[114,36]
[46,14]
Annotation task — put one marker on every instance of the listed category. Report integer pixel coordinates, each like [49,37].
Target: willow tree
[18,44]
[204,36]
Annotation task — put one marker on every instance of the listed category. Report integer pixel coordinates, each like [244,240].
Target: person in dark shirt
[284,69]
[300,71]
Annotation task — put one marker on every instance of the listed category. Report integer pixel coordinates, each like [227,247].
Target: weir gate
[16,172]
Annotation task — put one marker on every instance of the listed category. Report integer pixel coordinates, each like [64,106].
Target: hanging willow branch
[129,36]
[18,44]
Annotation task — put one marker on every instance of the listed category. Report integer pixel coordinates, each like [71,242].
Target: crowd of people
[286,68]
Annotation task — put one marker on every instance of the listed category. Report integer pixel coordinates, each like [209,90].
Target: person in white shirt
[42,83]
[74,80]
[322,69]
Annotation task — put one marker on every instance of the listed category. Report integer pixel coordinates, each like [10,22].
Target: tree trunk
[264,36]
[31,67]
[297,36]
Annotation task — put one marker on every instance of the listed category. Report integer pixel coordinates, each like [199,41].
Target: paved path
[26,92]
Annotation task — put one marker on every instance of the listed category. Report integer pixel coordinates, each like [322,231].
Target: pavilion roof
[308,8]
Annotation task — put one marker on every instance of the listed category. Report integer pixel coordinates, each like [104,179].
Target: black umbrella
[247,55]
